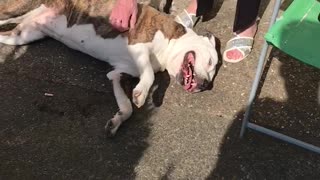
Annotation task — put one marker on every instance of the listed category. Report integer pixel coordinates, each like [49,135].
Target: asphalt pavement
[176,135]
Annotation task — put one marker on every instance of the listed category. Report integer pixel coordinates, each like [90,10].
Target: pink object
[124,15]
[189,82]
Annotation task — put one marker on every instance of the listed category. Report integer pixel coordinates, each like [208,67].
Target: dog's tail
[19,19]
[14,12]
[15,20]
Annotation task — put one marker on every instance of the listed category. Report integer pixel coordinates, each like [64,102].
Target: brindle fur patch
[97,12]
[149,22]
[10,8]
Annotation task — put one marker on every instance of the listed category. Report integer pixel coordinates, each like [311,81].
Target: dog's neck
[149,22]
[166,51]
[161,48]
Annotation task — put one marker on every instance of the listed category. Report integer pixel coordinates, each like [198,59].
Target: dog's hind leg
[15,20]
[124,104]
[27,31]
[21,36]
[19,19]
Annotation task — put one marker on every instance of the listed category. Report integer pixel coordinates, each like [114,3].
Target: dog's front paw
[111,127]
[139,96]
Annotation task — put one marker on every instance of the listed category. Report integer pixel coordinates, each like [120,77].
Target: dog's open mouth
[189,83]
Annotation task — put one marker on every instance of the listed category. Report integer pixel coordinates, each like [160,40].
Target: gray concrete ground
[177,136]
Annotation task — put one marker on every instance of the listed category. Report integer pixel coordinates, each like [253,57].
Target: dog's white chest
[83,37]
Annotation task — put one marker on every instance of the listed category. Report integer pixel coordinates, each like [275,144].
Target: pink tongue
[188,72]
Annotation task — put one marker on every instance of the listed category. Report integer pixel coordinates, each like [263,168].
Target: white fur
[139,60]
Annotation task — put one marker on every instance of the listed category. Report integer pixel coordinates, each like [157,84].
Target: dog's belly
[84,38]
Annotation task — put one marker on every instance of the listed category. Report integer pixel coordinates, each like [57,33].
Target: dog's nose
[204,85]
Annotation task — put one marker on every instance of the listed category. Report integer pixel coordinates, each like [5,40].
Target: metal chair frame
[245,123]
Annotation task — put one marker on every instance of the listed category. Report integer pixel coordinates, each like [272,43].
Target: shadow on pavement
[257,156]
[62,137]
[297,114]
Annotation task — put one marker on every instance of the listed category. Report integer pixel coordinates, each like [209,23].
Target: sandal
[186,19]
[242,44]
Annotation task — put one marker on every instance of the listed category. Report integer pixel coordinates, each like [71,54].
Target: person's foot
[238,54]
[188,16]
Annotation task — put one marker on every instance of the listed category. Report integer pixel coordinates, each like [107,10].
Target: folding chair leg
[245,123]
[259,70]
[283,137]
[254,88]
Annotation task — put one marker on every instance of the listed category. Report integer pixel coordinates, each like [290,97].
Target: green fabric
[297,32]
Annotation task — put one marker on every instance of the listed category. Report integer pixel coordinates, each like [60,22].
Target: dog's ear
[210,36]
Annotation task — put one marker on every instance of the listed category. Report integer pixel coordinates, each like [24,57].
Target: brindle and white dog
[157,43]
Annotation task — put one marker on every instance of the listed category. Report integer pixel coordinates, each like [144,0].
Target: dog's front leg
[140,54]
[124,104]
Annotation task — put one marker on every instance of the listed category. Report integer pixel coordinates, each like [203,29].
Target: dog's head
[194,63]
